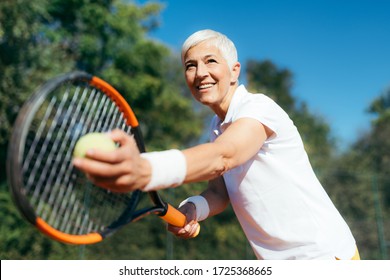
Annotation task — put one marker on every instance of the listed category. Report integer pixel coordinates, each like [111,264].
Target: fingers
[118,184]
[116,170]
[127,148]
[100,163]
[190,230]
[192,227]
[120,136]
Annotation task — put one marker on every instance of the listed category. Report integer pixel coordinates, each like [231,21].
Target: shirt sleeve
[265,110]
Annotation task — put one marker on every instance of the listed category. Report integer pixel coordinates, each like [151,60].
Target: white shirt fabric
[279,202]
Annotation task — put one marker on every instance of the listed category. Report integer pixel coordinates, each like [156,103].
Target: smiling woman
[301,35]
[209,76]
[255,160]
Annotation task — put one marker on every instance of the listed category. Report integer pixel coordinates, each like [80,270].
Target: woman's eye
[189,66]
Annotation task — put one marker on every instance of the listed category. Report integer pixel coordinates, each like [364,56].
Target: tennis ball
[95,140]
[197,231]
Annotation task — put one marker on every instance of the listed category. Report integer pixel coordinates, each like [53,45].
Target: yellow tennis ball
[95,140]
[197,231]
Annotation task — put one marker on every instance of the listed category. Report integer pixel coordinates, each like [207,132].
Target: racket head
[49,192]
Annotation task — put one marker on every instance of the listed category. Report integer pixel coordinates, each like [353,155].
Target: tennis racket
[47,189]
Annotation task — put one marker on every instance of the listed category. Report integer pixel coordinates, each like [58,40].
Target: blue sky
[338,51]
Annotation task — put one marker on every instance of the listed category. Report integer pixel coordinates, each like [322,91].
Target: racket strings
[65,170]
[95,125]
[39,157]
[62,207]
[62,196]
[50,169]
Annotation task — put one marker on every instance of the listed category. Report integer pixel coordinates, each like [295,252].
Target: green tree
[376,143]
[19,240]
[26,59]
[359,180]
[41,39]
[105,38]
[266,77]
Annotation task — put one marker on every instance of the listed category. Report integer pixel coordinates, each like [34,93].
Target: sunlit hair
[214,38]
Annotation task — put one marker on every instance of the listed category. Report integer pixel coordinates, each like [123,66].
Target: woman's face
[208,75]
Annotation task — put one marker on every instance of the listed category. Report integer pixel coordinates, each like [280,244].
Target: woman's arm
[217,199]
[124,170]
[217,196]
[239,142]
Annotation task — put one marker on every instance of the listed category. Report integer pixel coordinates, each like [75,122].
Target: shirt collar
[237,96]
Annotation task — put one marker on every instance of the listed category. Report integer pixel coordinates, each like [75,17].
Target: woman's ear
[235,72]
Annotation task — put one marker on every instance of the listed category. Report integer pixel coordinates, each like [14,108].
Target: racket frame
[14,166]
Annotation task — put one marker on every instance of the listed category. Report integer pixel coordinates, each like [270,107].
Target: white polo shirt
[279,202]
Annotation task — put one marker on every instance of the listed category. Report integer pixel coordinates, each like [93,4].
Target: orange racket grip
[176,218]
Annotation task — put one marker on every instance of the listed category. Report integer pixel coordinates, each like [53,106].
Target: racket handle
[176,218]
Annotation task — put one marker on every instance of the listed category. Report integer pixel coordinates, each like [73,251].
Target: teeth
[205,86]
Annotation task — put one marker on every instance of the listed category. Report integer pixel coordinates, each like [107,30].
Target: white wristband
[201,206]
[169,169]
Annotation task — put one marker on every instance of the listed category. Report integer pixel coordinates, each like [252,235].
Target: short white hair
[219,40]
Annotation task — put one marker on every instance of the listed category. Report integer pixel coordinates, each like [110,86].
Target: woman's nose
[201,70]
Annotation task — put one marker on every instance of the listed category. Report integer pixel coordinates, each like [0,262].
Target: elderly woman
[255,160]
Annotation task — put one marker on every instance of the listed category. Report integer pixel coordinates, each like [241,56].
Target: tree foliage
[105,38]
[266,77]
[25,60]
[375,145]
[357,180]
[109,38]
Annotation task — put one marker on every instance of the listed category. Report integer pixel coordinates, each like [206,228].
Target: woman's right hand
[191,228]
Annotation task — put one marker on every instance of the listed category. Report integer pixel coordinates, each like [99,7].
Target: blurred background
[325,62]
